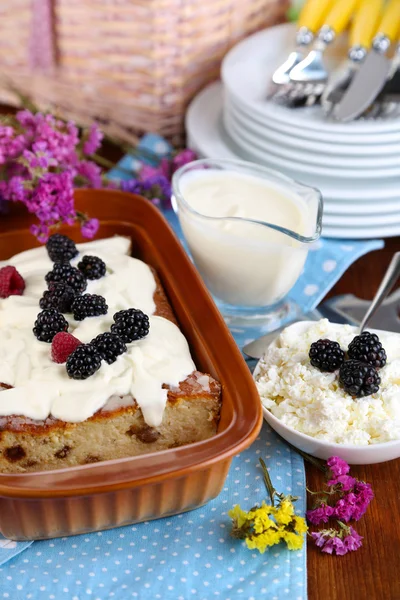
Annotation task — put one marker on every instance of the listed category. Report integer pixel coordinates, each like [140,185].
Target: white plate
[246,72]
[248,150]
[358,455]
[206,136]
[336,165]
[313,152]
[345,220]
[355,208]
[361,233]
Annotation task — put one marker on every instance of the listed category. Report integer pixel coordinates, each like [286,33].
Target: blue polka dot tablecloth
[191,555]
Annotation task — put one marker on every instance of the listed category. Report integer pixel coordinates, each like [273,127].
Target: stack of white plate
[355,165]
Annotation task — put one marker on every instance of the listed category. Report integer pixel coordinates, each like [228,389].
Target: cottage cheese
[312,402]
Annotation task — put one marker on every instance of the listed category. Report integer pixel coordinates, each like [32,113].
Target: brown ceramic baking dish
[118,492]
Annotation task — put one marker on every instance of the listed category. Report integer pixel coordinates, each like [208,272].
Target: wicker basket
[132,64]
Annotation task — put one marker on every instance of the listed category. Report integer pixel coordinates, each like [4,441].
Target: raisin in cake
[150,397]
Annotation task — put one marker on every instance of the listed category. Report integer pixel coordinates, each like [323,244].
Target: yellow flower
[262,541]
[284,513]
[238,515]
[261,520]
[293,540]
[300,525]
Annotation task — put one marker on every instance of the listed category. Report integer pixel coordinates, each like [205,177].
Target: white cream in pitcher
[243,262]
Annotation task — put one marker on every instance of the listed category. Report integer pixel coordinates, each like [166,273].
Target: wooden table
[373,572]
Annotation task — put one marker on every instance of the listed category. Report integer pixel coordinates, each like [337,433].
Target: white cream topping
[42,387]
[313,402]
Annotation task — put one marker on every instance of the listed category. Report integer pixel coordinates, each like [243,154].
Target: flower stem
[267,481]
[313,461]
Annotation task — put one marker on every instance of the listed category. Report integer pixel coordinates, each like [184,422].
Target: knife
[362,31]
[375,70]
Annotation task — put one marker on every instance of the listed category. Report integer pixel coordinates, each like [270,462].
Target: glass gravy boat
[248,229]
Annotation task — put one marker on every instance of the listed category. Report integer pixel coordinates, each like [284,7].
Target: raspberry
[359,379]
[63,273]
[367,348]
[326,355]
[11,282]
[89,305]
[83,362]
[62,346]
[61,248]
[92,267]
[109,346]
[48,323]
[59,296]
[130,325]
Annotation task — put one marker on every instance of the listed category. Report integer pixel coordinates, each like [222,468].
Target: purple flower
[337,466]
[133,186]
[344,508]
[38,160]
[41,232]
[91,172]
[334,545]
[13,190]
[93,141]
[90,227]
[182,158]
[319,514]
[319,537]
[353,540]
[364,495]
[346,481]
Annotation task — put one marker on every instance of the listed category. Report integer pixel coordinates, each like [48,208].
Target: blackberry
[61,248]
[89,305]
[92,267]
[48,323]
[358,378]
[83,362]
[63,272]
[326,355]
[59,296]
[367,348]
[130,325]
[109,346]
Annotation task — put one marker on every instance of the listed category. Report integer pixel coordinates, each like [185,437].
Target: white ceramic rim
[299,138]
[267,157]
[285,146]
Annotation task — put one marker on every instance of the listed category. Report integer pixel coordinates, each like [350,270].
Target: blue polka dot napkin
[190,555]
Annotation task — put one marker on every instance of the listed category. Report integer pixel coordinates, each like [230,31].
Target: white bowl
[352,454]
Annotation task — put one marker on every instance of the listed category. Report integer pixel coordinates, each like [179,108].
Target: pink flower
[90,227]
[320,514]
[334,545]
[364,495]
[183,158]
[344,508]
[346,481]
[91,172]
[337,466]
[353,540]
[93,141]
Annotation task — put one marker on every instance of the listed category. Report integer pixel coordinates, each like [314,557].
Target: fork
[363,28]
[310,20]
[308,77]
